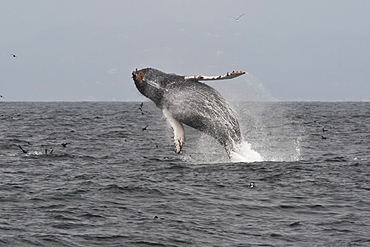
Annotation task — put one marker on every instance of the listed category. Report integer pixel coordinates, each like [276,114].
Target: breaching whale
[186,100]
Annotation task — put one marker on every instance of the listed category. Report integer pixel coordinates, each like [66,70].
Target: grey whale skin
[186,100]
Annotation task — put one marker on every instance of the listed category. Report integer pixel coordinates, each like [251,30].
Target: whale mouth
[138,75]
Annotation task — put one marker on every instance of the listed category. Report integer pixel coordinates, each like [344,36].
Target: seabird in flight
[24,151]
[237,19]
[64,144]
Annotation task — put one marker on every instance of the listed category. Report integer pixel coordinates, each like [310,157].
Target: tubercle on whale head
[138,75]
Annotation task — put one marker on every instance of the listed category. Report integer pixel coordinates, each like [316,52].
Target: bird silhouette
[141,106]
[13,55]
[237,19]
[145,128]
[24,151]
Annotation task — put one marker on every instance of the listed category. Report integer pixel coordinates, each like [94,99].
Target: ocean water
[118,182]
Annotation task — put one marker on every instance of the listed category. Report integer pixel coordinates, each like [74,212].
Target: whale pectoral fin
[220,77]
[178,130]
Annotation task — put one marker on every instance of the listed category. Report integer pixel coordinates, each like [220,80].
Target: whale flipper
[178,130]
[220,77]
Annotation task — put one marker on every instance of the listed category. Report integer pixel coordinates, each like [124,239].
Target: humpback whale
[187,100]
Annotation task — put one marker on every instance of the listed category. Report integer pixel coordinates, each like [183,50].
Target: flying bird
[145,128]
[24,151]
[64,144]
[13,55]
[141,106]
[237,19]
[2,96]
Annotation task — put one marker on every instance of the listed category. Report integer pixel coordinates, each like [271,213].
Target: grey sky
[86,49]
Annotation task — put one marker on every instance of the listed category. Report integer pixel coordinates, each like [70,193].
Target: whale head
[152,83]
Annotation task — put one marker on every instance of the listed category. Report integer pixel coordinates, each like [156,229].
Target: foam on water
[245,154]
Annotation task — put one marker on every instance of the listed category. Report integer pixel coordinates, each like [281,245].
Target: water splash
[245,154]
[270,130]
[34,153]
[207,150]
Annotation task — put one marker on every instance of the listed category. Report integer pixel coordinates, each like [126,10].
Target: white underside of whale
[178,130]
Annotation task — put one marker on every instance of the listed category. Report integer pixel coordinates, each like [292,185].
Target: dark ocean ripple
[115,184]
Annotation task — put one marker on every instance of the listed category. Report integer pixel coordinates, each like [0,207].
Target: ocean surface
[118,182]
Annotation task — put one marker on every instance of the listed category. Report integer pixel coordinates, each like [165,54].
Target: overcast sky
[85,49]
